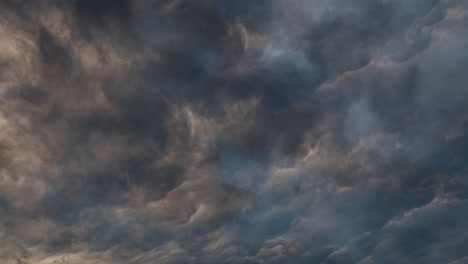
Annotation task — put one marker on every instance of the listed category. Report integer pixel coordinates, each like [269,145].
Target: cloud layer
[276,131]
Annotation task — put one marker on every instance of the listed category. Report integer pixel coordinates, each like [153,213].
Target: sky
[222,131]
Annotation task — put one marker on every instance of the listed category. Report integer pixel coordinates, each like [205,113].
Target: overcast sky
[233,131]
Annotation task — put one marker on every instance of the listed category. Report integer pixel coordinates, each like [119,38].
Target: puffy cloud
[176,131]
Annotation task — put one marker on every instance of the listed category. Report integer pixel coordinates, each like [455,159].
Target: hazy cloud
[176,131]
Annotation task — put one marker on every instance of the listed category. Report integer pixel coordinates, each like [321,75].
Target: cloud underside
[233,131]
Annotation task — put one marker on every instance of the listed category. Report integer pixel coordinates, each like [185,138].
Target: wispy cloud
[275,131]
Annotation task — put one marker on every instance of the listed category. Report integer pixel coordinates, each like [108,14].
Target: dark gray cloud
[176,131]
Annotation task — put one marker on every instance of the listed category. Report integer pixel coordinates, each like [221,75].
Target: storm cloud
[198,131]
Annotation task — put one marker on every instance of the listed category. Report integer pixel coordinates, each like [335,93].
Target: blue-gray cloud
[176,131]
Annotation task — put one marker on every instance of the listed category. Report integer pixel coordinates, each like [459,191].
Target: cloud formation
[276,131]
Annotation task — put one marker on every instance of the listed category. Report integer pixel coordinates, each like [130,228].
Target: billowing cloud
[276,131]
